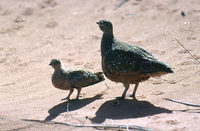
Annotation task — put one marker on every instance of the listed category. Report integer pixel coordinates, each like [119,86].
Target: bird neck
[106,43]
[108,35]
[58,68]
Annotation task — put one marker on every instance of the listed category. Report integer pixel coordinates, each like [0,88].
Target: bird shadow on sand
[68,106]
[126,109]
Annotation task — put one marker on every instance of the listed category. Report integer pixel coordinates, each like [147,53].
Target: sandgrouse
[126,63]
[73,78]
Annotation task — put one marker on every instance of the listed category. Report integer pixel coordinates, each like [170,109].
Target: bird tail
[158,69]
[165,68]
[96,78]
[161,69]
[169,70]
[100,76]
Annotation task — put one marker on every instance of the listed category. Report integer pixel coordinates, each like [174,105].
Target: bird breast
[59,81]
[118,72]
[108,71]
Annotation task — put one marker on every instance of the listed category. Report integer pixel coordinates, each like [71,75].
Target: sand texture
[32,32]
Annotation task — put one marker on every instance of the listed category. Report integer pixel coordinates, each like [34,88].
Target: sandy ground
[32,32]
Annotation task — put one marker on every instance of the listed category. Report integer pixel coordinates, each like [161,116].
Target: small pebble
[183,13]
[130,15]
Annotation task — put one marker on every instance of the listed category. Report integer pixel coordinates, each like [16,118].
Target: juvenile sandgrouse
[73,78]
[126,63]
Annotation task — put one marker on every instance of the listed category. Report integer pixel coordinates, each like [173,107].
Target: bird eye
[100,24]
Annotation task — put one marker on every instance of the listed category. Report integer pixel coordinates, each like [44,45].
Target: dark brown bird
[73,79]
[126,63]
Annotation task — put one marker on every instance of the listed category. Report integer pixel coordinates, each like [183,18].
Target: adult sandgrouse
[126,63]
[73,78]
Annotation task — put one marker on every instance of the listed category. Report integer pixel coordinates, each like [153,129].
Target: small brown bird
[73,79]
[126,63]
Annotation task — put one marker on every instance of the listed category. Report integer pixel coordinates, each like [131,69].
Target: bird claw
[131,95]
[66,98]
[120,98]
[76,99]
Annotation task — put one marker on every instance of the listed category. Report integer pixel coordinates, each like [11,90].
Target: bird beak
[50,64]
[97,23]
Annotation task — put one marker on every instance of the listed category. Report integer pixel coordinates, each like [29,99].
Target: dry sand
[32,32]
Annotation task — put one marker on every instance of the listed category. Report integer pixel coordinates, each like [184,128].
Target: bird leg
[134,91]
[126,85]
[70,92]
[68,97]
[79,90]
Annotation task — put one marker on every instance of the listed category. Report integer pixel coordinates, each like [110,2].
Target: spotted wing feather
[80,78]
[132,59]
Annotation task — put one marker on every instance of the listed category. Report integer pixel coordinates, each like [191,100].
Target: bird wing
[131,59]
[136,50]
[79,78]
[120,61]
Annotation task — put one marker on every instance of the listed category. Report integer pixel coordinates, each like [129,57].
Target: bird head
[55,63]
[105,26]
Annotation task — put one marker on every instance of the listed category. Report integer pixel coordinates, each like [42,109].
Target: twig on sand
[106,126]
[184,103]
[120,4]
[187,50]
[107,86]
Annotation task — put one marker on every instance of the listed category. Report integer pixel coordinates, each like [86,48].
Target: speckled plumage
[126,63]
[73,78]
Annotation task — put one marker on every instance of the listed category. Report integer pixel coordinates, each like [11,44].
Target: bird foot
[120,98]
[133,96]
[66,98]
[76,99]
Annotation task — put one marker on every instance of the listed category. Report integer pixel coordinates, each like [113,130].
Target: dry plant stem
[107,86]
[191,56]
[120,4]
[187,50]
[184,103]
[92,125]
